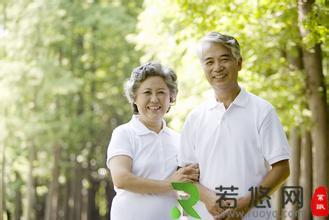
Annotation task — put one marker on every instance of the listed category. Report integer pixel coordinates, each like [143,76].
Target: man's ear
[240,63]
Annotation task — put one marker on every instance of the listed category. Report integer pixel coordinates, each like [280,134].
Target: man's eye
[147,92]
[209,63]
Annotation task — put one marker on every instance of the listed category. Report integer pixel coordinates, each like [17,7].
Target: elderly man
[236,138]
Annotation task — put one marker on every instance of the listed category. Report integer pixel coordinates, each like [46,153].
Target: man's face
[219,65]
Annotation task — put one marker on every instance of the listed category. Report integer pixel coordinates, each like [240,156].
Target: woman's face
[152,99]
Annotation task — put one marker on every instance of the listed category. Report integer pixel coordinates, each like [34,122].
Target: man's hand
[213,206]
[237,213]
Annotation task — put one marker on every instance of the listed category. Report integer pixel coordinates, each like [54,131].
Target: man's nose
[218,67]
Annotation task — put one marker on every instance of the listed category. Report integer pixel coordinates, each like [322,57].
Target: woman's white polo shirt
[154,156]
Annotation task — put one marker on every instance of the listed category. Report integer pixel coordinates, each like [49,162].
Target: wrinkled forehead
[213,49]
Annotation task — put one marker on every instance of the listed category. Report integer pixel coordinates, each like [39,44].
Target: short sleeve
[120,144]
[186,150]
[275,146]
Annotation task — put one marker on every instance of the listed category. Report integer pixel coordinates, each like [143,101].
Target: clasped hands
[225,209]
[189,173]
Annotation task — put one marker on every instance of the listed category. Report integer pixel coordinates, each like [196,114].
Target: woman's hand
[189,173]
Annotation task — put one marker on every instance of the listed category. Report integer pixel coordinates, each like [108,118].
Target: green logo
[186,204]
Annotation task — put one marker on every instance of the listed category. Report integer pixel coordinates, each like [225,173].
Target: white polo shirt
[233,146]
[155,157]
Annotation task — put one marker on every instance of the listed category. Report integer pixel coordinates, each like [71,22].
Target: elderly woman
[142,154]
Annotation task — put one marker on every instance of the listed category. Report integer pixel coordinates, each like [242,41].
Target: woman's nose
[154,98]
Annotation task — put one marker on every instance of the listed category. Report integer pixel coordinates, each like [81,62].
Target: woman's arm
[123,178]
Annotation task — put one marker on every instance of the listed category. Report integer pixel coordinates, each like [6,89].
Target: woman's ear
[171,99]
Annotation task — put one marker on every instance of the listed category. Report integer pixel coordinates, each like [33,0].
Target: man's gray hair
[228,41]
[144,71]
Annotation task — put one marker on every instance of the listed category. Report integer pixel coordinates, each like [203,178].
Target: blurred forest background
[62,68]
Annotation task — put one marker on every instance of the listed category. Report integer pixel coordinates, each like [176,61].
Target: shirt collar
[213,103]
[141,129]
[241,100]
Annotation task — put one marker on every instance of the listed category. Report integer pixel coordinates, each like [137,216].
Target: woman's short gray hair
[228,41]
[144,71]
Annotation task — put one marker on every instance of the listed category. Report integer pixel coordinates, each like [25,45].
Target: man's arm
[276,176]
[209,198]
[272,181]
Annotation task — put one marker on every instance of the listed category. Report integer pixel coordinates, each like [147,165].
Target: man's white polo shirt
[155,157]
[233,146]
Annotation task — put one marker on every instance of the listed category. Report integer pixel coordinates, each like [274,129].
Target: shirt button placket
[162,155]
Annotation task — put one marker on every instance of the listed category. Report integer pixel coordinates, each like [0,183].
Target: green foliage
[317,25]
[63,64]
[269,38]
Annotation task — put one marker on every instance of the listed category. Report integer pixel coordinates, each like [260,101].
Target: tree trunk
[30,186]
[306,174]
[18,204]
[2,180]
[70,211]
[18,198]
[277,204]
[84,205]
[65,193]
[317,101]
[3,144]
[295,142]
[93,212]
[110,193]
[53,194]
[77,191]
[74,200]
[294,139]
